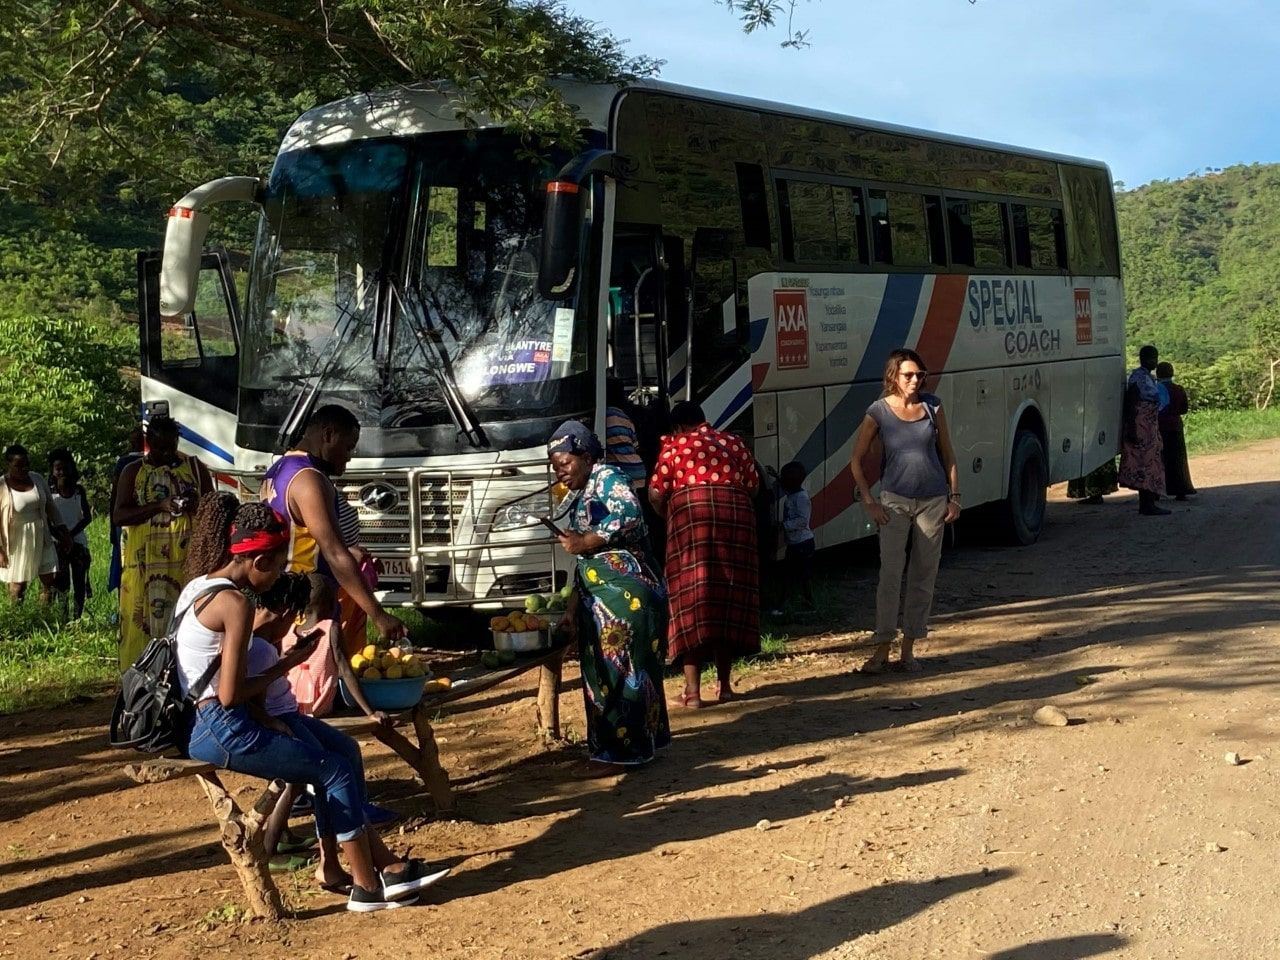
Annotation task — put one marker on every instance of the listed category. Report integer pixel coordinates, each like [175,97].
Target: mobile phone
[551,526]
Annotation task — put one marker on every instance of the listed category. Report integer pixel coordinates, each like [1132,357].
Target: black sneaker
[416,875]
[370,901]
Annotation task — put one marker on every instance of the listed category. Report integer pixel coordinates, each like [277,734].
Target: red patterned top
[704,456]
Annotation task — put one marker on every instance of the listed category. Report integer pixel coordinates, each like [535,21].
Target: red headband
[258,541]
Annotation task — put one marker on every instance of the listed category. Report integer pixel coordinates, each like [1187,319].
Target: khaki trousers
[921,521]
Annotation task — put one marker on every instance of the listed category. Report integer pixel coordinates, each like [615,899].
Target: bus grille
[441,503]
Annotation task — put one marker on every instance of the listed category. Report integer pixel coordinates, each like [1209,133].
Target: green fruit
[556,604]
[533,603]
[506,657]
[566,590]
[491,659]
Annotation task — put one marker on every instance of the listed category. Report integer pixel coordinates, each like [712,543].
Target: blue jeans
[232,740]
[321,736]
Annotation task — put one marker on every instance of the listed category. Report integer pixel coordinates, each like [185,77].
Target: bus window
[979,237]
[755,207]
[1091,242]
[442,227]
[821,222]
[718,329]
[906,228]
[1038,237]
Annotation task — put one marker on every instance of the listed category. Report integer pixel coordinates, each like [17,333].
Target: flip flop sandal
[296,845]
[290,864]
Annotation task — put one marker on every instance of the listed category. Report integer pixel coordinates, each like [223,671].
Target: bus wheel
[1028,485]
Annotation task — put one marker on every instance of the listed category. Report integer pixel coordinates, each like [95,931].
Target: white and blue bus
[463,295]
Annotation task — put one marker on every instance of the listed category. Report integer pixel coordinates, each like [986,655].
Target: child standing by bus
[801,546]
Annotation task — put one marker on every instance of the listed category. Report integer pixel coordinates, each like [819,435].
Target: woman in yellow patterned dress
[156,498]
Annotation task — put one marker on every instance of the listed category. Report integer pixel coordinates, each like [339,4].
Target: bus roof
[428,108]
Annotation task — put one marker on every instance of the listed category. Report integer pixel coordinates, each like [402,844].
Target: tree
[146,95]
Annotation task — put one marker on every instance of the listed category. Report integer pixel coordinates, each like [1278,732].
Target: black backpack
[151,714]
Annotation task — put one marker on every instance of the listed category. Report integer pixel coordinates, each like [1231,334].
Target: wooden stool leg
[242,839]
[428,765]
[549,697]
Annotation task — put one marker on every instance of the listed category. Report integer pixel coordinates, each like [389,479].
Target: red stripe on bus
[561,186]
[184,213]
[938,335]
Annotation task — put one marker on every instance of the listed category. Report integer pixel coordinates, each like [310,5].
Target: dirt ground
[824,815]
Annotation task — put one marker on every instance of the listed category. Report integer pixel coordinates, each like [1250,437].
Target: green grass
[1209,431]
[46,660]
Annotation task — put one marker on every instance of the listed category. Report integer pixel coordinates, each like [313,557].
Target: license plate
[397,569]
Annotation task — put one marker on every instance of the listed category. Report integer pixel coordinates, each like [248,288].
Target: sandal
[291,863]
[692,701]
[295,844]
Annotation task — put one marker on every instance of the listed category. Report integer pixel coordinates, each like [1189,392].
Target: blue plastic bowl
[388,694]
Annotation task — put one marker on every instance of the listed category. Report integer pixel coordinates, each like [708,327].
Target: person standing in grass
[31,531]
[919,495]
[1177,472]
[155,500]
[133,454]
[72,504]
[1141,451]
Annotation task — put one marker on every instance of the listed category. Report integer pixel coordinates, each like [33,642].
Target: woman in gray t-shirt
[919,494]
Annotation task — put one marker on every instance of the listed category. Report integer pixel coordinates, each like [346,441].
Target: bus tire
[1028,487]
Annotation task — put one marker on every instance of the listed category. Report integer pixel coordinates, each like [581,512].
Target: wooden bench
[241,830]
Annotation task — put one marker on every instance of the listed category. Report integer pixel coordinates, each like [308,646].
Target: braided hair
[288,596]
[211,534]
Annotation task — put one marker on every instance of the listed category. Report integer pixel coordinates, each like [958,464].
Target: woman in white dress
[30,527]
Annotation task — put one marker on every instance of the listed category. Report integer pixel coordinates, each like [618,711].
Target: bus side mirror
[561,227]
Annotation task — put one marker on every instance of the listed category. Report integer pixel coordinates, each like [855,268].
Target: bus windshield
[399,276]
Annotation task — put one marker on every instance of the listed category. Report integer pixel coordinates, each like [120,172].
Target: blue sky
[1155,89]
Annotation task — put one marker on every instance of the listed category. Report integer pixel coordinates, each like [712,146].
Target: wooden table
[241,830]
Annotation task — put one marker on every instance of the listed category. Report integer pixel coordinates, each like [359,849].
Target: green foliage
[63,385]
[1211,431]
[1202,279]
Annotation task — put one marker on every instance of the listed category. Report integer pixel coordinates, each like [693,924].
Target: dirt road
[907,817]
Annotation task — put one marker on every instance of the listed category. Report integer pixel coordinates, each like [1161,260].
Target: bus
[464,293]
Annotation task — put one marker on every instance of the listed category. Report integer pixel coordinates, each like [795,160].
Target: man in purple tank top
[297,486]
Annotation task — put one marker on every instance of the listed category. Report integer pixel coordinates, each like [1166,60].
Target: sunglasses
[911,375]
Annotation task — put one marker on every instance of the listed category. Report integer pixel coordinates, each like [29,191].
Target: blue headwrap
[572,437]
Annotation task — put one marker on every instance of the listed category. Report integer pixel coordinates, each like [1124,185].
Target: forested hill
[1202,274]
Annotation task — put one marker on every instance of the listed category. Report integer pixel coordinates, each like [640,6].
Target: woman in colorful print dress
[1141,450]
[156,498]
[619,607]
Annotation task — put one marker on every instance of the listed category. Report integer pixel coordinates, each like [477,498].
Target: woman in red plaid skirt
[703,485]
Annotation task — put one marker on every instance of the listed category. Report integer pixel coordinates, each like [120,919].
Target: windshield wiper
[295,420]
[413,308]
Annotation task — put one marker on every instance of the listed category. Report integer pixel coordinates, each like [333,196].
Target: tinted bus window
[906,228]
[1039,240]
[978,234]
[1091,236]
[821,222]
[755,208]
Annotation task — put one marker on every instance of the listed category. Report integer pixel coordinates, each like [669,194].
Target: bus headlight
[518,515]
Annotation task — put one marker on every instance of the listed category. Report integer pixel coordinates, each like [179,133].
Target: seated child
[801,546]
[351,618]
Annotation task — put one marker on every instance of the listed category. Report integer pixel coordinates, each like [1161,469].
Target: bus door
[639,304]
[190,363]
[719,372]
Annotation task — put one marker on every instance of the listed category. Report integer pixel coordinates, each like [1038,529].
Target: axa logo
[791,323]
